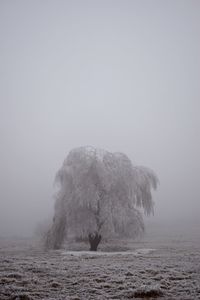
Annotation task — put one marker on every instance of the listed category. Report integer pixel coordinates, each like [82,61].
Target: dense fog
[117,75]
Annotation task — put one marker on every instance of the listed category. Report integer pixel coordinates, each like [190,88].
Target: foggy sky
[119,75]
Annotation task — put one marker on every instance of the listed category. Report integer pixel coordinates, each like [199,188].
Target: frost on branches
[99,195]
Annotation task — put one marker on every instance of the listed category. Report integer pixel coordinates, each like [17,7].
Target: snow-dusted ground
[165,267]
[89,254]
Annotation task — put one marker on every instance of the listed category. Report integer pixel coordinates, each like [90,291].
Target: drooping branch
[56,234]
[98,195]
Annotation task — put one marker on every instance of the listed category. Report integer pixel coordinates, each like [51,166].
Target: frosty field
[156,267]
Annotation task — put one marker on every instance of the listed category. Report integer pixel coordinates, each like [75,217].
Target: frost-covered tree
[100,194]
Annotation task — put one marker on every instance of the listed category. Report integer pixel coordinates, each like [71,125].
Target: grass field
[165,266]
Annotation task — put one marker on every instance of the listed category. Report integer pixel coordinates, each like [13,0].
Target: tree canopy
[100,194]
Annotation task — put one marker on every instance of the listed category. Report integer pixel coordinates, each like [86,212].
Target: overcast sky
[119,75]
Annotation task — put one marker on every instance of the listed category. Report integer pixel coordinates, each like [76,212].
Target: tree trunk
[94,240]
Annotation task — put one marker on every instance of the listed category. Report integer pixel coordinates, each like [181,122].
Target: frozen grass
[148,269]
[99,253]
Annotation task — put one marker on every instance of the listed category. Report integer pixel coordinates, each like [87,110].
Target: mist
[118,75]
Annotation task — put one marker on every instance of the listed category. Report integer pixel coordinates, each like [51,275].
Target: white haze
[118,75]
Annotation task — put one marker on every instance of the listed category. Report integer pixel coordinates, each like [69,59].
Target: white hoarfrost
[171,272]
[100,193]
[90,254]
